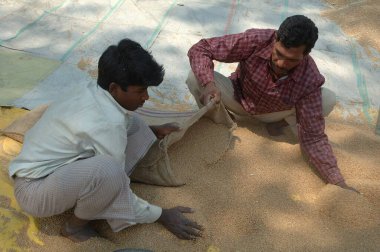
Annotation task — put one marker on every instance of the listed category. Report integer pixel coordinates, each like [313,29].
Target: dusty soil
[359,19]
[260,194]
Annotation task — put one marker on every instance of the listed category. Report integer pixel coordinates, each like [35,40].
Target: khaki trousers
[227,93]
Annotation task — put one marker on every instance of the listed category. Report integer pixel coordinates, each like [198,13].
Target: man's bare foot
[78,230]
[276,128]
[78,234]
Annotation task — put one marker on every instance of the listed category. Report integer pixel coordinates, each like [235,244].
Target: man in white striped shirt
[83,149]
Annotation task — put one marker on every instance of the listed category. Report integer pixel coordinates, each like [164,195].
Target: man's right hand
[174,221]
[210,92]
[345,186]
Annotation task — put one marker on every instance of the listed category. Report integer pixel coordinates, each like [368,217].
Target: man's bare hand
[174,221]
[345,186]
[210,92]
[165,129]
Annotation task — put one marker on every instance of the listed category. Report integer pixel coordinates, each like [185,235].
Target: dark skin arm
[210,91]
[174,220]
[165,129]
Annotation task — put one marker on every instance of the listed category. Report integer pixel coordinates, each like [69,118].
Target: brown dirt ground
[259,195]
[359,19]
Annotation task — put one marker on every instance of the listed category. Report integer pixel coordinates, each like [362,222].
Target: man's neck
[275,76]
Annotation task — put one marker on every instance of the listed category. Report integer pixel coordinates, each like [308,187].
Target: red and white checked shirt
[258,94]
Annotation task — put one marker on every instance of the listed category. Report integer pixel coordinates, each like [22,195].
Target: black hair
[128,64]
[296,31]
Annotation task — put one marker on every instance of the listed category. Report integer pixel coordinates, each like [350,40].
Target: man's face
[285,59]
[131,99]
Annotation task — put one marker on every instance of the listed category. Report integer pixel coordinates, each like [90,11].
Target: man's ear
[113,89]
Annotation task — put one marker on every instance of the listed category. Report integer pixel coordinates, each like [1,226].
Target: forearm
[320,155]
[312,137]
[201,62]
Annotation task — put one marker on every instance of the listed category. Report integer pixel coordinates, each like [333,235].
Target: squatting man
[276,82]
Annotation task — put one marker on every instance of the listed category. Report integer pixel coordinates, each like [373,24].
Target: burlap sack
[155,167]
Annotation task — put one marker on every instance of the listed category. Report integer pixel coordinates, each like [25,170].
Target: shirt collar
[297,73]
[108,97]
[266,52]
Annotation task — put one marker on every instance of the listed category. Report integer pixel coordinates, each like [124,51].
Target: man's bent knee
[194,87]
[108,169]
[328,101]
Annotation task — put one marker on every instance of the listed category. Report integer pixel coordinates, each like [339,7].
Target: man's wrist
[156,213]
[335,177]
[153,128]
[342,184]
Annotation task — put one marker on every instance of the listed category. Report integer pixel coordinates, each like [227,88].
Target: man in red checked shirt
[276,82]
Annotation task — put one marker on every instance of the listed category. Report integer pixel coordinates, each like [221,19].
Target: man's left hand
[165,129]
[345,186]
[176,222]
